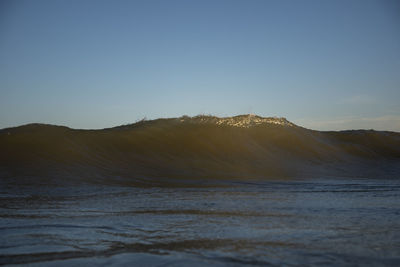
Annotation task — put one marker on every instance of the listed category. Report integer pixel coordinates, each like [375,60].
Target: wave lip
[193,150]
[244,121]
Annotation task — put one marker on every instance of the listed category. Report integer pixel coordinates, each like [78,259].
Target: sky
[325,65]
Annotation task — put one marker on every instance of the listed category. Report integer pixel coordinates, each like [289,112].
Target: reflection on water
[345,222]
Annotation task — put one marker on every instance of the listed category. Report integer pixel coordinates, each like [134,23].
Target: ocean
[199,191]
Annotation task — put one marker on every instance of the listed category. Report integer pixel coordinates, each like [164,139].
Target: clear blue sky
[94,64]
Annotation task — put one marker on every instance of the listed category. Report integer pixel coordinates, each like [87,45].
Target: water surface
[310,222]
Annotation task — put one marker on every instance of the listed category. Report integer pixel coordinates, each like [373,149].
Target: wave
[194,150]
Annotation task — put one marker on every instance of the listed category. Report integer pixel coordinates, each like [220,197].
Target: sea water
[323,222]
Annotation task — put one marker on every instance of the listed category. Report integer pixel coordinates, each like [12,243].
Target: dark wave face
[196,150]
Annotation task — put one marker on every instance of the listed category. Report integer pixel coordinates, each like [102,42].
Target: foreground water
[324,222]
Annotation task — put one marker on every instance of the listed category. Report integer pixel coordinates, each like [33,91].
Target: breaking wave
[194,150]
